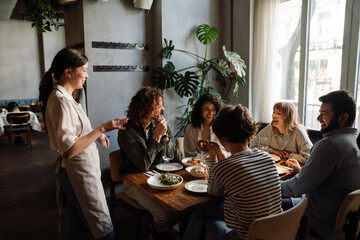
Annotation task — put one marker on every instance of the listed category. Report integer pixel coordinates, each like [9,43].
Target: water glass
[168,153]
[263,143]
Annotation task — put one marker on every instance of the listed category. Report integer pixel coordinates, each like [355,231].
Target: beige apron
[85,177]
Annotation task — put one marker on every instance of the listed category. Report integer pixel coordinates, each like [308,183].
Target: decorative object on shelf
[120,68]
[45,14]
[195,83]
[143,4]
[120,45]
[67,2]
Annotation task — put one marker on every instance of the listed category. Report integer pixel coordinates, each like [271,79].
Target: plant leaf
[166,52]
[222,67]
[187,84]
[206,34]
[236,61]
[239,81]
[164,77]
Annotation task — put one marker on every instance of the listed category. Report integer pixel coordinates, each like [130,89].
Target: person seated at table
[202,116]
[332,171]
[247,180]
[141,145]
[287,138]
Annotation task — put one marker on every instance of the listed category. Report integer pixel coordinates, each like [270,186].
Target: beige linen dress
[66,122]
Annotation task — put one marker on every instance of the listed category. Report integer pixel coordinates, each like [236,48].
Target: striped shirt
[250,185]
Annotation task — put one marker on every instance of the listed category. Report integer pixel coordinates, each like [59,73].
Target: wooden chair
[180,145]
[120,198]
[282,226]
[348,217]
[19,126]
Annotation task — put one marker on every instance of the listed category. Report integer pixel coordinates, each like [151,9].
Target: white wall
[20,71]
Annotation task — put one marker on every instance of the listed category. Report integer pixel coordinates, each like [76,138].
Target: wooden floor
[27,195]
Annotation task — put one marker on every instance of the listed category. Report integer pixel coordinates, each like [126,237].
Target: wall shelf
[120,45]
[120,68]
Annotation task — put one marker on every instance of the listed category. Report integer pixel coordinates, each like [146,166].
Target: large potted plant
[194,81]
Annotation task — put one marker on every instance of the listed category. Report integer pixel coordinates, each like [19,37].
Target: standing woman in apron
[71,136]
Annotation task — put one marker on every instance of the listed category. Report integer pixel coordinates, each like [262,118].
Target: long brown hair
[143,105]
[65,58]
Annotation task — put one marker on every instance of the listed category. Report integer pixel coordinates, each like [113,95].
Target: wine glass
[168,153]
[263,143]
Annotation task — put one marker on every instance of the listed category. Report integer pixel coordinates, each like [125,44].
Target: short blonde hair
[289,111]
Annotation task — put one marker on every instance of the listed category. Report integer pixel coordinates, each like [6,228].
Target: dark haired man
[332,170]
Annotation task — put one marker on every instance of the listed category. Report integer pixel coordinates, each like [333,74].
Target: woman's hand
[294,164]
[104,141]
[113,124]
[282,154]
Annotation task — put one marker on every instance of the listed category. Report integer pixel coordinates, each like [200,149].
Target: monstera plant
[193,81]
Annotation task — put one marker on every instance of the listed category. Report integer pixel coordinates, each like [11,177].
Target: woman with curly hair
[203,114]
[287,138]
[246,183]
[142,145]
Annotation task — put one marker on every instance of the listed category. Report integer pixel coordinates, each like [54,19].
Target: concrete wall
[20,59]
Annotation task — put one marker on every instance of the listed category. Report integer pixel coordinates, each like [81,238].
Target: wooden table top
[178,200]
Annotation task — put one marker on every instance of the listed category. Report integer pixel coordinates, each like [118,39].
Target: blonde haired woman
[287,138]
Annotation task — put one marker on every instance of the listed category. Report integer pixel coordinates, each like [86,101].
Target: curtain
[264,58]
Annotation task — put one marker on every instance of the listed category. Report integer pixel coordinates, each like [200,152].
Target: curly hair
[234,124]
[196,115]
[289,112]
[143,105]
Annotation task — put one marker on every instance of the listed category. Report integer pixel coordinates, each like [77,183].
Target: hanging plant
[195,83]
[45,14]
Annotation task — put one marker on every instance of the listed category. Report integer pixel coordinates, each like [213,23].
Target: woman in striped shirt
[247,181]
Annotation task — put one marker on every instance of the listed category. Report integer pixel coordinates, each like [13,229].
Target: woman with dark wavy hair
[73,139]
[203,114]
[246,183]
[142,145]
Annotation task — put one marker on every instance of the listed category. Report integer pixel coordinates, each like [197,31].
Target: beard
[332,125]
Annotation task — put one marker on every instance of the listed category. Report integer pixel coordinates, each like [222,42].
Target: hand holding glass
[263,143]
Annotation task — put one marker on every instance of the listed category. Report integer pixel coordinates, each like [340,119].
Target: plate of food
[191,161]
[169,167]
[280,170]
[165,181]
[275,157]
[197,186]
[198,171]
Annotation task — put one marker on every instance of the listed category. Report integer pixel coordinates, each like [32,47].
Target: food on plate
[169,179]
[199,170]
[196,161]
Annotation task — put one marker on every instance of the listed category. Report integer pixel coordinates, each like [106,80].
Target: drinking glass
[263,143]
[168,153]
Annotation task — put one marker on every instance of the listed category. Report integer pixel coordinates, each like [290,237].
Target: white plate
[188,169]
[197,186]
[184,161]
[169,167]
[280,170]
[155,183]
[275,157]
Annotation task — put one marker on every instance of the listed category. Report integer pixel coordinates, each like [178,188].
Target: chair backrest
[282,226]
[11,106]
[180,145]
[348,214]
[17,118]
[115,164]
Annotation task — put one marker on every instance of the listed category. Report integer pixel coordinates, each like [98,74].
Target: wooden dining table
[179,200]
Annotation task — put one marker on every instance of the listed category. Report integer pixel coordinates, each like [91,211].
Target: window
[309,67]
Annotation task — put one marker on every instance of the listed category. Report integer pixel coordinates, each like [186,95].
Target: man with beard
[332,170]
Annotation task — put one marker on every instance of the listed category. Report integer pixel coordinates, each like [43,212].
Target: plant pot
[143,4]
